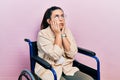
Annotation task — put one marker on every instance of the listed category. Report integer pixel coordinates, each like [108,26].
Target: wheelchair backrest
[33,52]
[34,49]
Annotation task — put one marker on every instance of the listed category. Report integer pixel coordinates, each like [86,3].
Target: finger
[63,30]
[57,20]
[52,25]
[57,25]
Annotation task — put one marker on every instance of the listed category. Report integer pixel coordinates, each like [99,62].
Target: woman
[57,46]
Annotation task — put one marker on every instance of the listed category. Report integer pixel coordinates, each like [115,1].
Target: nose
[61,18]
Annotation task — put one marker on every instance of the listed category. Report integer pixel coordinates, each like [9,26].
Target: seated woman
[57,46]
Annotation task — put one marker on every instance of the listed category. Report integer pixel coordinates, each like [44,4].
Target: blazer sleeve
[73,46]
[47,46]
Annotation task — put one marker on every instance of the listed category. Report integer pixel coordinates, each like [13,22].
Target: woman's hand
[55,27]
[63,30]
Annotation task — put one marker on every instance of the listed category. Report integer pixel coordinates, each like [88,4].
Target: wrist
[57,35]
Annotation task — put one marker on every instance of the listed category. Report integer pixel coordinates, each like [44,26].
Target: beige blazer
[55,55]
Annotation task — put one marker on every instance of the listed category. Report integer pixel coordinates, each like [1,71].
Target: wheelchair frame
[95,73]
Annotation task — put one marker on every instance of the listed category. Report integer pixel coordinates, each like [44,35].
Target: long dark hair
[47,15]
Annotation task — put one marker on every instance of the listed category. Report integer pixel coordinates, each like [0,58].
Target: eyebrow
[58,14]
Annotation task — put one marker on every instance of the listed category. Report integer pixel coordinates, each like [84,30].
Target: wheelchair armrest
[42,62]
[46,65]
[93,55]
[86,52]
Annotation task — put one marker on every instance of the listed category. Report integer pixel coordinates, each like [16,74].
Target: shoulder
[44,31]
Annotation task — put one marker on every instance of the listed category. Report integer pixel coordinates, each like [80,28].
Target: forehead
[57,11]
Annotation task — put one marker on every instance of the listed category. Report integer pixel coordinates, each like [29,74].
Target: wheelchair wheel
[26,75]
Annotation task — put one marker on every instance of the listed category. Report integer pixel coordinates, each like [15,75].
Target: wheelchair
[34,58]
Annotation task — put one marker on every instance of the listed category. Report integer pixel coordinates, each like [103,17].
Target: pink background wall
[94,23]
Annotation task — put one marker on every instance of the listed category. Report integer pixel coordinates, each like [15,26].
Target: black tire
[26,74]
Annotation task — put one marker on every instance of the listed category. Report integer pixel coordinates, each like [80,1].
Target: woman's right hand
[55,27]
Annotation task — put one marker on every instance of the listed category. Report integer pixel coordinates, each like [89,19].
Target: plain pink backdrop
[94,23]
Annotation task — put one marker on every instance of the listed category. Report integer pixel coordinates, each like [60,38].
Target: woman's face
[58,16]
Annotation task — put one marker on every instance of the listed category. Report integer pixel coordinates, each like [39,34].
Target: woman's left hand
[63,30]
